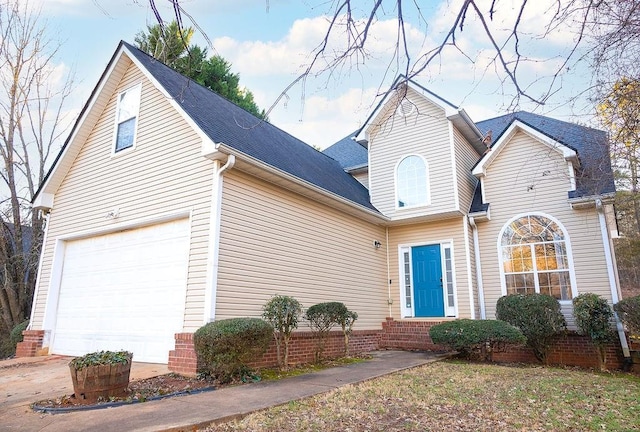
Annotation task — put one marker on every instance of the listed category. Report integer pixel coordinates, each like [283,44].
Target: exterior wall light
[377,244]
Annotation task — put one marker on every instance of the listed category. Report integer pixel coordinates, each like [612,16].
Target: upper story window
[127,118]
[535,257]
[412,184]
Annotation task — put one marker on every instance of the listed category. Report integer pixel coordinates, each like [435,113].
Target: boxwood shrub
[225,347]
[476,338]
[323,317]
[537,315]
[628,311]
[593,317]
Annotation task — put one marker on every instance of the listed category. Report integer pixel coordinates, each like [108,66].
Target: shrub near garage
[538,316]
[225,347]
[476,337]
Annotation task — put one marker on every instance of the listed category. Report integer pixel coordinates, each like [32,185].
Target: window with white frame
[535,257]
[412,185]
[127,118]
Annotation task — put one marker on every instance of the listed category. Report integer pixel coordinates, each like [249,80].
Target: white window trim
[567,240]
[449,311]
[395,183]
[116,123]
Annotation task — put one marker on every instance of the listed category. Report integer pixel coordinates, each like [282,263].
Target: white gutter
[389,299]
[606,242]
[467,253]
[214,238]
[476,250]
[37,289]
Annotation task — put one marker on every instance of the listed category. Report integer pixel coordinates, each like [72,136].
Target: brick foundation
[408,335]
[183,360]
[571,349]
[31,343]
[302,347]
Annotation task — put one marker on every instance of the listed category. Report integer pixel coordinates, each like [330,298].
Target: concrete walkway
[189,412]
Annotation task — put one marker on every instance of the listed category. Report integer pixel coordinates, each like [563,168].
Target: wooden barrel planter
[92,382]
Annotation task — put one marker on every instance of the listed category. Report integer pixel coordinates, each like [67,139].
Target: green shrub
[537,315]
[628,311]
[16,333]
[346,321]
[101,358]
[479,338]
[322,317]
[282,312]
[593,318]
[225,347]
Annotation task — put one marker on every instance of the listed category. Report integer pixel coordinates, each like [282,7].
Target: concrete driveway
[27,380]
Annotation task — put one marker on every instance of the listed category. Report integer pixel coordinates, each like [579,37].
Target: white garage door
[124,290]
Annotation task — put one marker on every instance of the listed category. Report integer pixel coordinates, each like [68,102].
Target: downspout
[476,252]
[606,242]
[37,290]
[214,238]
[389,299]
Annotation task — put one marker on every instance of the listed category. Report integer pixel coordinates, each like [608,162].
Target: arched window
[535,257]
[412,188]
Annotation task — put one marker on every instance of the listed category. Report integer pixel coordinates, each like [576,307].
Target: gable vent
[405,108]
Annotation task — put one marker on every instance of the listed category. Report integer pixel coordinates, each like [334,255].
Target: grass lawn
[457,396]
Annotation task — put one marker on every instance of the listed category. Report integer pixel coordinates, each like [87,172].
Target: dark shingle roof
[224,122]
[348,153]
[594,175]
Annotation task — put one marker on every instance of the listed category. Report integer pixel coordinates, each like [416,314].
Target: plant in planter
[101,374]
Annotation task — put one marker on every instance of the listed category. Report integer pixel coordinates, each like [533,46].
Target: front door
[427,281]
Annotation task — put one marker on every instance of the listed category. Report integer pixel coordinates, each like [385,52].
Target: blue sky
[268,48]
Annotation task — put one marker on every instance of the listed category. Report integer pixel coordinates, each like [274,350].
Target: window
[535,257]
[126,118]
[412,187]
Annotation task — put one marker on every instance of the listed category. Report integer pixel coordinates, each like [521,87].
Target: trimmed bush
[480,338]
[346,321]
[628,311]
[538,316]
[322,317]
[225,347]
[282,312]
[16,333]
[593,318]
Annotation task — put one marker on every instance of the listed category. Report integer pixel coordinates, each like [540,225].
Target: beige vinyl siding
[424,133]
[526,163]
[363,178]
[466,158]
[450,230]
[164,174]
[273,241]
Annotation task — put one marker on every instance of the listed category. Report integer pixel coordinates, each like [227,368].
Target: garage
[124,290]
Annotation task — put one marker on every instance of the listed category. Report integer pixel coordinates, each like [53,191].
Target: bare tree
[608,30]
[32,94]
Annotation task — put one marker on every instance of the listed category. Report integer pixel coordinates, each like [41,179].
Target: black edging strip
[53,410]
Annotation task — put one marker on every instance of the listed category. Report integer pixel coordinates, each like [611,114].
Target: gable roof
[594,176]
[456,115]
[223,122]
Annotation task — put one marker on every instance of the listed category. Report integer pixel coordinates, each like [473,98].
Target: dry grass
[455,396]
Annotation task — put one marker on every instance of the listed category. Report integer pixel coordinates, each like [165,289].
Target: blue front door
[427,281]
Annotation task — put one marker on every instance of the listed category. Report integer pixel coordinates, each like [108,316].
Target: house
[169,207]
